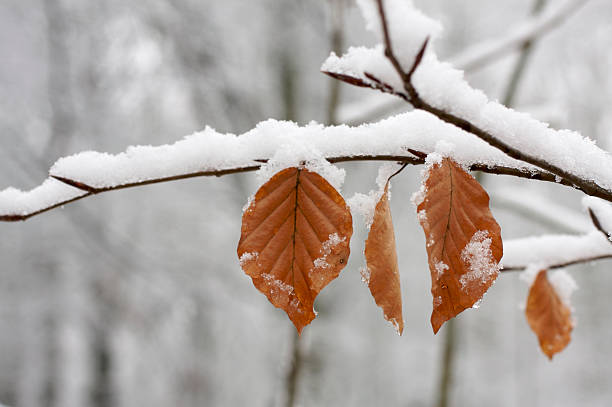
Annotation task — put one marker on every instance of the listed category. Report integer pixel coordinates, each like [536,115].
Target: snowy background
[136,297]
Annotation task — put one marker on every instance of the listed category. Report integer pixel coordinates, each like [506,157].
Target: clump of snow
[365,275]
[51,192]
[279,285]
[384,173]
[248,203]
[442,149]
[247,257]
[365,204]
[440,267]
[332,241]
[478,256]
[530,273]
[564,285]
[552,250]
[408,27]
[301,154]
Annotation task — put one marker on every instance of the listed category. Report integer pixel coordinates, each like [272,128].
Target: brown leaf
[381,262]
[464,244]
[548,316]
[295,240]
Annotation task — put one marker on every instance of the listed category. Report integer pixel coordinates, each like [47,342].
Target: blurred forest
[136,297]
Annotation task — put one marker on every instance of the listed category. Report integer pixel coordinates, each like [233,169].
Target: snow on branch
[555,251]
[441,90]
[19,205]
[559,251]
[475,57]
[408,137]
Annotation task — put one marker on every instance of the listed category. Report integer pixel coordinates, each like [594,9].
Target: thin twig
[598,226]
[560,265]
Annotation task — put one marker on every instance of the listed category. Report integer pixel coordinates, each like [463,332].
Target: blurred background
[135,298]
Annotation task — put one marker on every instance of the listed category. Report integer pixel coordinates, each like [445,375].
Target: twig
[560,265]
[597,225]
[415,100]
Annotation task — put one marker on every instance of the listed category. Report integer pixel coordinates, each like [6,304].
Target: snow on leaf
[296,220]
[464,244]
[382,268]
[548,316]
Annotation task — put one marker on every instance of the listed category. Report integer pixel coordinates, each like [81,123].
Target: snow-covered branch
[555,251]
[408,137]
[439,89]
[473,58]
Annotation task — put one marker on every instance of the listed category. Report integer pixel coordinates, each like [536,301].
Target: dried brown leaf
[464,243]
[295,240]
[548,316]
[381,262]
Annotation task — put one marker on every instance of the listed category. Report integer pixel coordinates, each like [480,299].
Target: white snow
[440,267]
[279,285]
[365,275]
[284,142]
[478,256]
[299,153]
[408,26]
[365,204]
[332,241]
[564,285]
[530,273]
[549,250]
[247,257]
[442,149]
[51,192]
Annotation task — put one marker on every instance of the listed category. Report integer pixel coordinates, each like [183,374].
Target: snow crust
[51,192]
